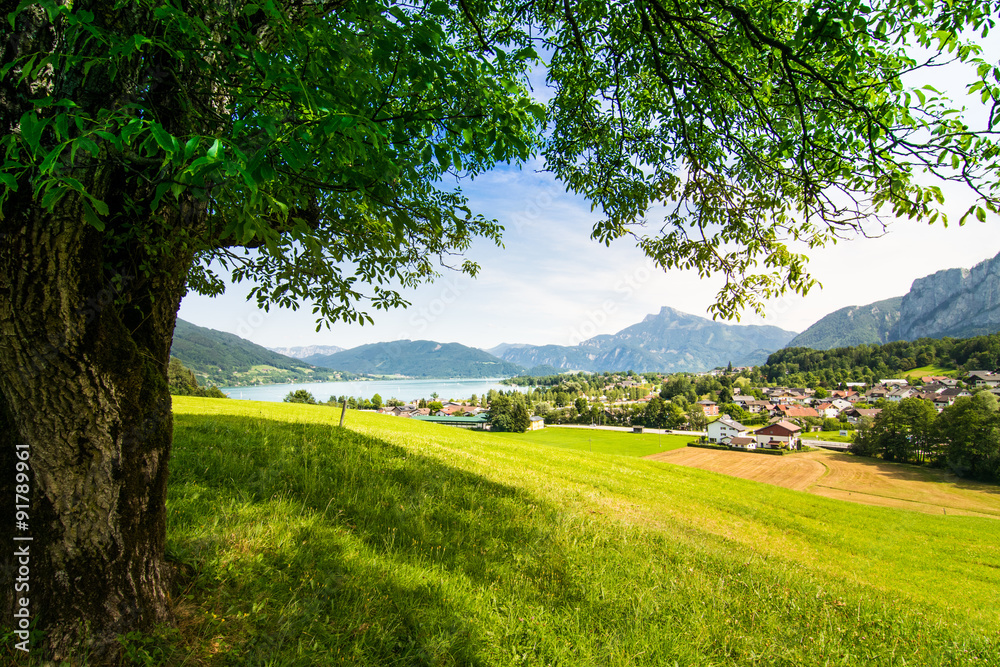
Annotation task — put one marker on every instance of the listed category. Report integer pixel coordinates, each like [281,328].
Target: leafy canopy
[306,145]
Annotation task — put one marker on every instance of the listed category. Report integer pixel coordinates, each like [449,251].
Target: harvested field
[845,477]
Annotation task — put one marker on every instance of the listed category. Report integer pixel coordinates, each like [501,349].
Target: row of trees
[182,382]
[964,436]
[869,363]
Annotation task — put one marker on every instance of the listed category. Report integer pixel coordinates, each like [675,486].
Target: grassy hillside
[393,542]
[225,359]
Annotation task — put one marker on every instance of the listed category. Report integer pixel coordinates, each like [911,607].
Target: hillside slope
[873,324]
[392,542]
[418,358]
[225,359]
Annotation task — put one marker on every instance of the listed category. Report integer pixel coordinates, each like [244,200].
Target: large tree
[303,146]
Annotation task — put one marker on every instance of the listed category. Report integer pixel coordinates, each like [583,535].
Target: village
[729,410]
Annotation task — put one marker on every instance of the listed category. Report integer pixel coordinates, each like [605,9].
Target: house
[775,435]
[982,379]
[710,407]
[722,430]
[536,424]
[756,407]
[854,415]
[896,395]
[827,410]
[841,404]
[743,442]
[794,412]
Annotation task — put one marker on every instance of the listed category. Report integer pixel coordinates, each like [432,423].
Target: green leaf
[31,129]
[91,217]
[163,138]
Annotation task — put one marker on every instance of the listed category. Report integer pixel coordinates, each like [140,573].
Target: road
[827,444]
[627,429]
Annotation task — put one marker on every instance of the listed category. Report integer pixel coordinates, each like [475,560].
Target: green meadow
[393,542]
[600,441]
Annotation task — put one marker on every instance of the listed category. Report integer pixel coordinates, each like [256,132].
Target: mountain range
[305,351]
[957,303]
[668,341]
[418,358]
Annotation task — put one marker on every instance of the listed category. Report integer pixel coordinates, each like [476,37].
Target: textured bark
[82,384]
[86,322]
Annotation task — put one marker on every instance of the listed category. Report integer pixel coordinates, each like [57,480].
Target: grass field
[927,370]
[392,542]
[601,441]
[829,436]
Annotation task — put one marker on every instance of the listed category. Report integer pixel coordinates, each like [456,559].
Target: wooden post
[343,412]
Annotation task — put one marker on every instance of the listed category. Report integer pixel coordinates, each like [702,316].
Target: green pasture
[601,441]
[394,542]
[928,370]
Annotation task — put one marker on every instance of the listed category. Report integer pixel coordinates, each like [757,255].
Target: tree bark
[84,402]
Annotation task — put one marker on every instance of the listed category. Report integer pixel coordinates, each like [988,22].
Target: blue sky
[552,284]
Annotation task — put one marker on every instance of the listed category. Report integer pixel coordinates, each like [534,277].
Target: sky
[552,284]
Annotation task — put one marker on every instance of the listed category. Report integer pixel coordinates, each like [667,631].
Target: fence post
[343,412]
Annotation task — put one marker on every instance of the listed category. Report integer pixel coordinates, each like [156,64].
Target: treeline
[964,437]
[182,382]
[871,363]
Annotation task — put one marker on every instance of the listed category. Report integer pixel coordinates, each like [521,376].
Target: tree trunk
[84,403]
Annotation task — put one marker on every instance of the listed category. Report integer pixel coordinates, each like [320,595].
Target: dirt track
[846,477]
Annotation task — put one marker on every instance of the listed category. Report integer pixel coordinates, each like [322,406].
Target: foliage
[300,396]
[870,363]
[970,429]
[182,382]
[509,412]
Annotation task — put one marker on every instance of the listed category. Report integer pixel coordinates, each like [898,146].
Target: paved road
[627,429]
[827,444]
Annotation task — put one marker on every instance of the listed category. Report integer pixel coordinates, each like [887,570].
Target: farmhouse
[722,430]
[536,424]
[777,434]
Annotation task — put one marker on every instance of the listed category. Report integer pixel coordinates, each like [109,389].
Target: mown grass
[600,441]
[392,542]
[924,371]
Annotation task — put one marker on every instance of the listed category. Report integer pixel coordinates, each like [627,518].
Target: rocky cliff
[956,302]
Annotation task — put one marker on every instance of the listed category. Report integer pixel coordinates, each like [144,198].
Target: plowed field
[846,477]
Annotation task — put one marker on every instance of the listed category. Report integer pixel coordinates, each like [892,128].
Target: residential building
[722,430]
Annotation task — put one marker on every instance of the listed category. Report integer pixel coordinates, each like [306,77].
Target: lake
[405,390]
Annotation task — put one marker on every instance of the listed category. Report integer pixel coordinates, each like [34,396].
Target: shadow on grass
[307,531]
